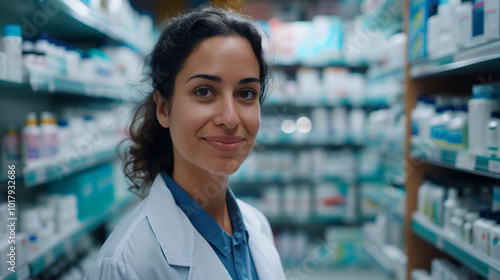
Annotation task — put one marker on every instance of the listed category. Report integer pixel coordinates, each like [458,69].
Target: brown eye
[203,92]
[247,94]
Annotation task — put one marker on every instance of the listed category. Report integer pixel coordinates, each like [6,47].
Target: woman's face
[215,110]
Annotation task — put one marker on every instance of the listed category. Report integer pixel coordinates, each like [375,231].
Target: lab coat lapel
[181,243]
[267,262]
[265,258]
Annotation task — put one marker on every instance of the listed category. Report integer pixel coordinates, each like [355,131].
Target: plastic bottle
[495,240]
[491,19]
[12,43]
[64,140]
[484,101]
[457,222]
[462,28]
[439,124]
[470,218]
[48,135]
[437,204]
[423,194]
[417,115]
[457,128]
[11,153]
[449,206]
[492,133]
[31,139]
[482,229]
[429,112]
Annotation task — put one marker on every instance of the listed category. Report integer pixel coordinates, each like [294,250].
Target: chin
[226,168]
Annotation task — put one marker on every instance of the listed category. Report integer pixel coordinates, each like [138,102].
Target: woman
[194,130]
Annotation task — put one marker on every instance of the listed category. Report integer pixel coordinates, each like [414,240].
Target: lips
[225,143]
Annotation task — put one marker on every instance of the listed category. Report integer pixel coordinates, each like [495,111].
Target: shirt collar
[204,223]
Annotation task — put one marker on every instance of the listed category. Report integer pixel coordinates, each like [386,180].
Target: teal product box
[419,13]
[93,188]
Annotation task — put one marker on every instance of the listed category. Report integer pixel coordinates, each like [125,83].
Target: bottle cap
[12,30]
[31,118]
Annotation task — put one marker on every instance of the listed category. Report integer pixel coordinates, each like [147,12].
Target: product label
[457,138]
[49,144]
[494,166]
[465,161]
[32,146]
[492,139]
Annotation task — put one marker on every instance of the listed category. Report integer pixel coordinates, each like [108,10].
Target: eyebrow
[219,79]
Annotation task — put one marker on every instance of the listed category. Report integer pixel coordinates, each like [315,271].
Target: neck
[208,190]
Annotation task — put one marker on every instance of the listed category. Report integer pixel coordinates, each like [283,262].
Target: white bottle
[416,115]
[462,28]
[457,222]
[437,205]
[12,43]
[31,139]
[492,133]
[482,229]
[457,128]
[470,218]
[484,101]
[424,128]
[449,206]
[423,194]
[64,139]
[48,135]
[491,19]
[495,240]
[439,123]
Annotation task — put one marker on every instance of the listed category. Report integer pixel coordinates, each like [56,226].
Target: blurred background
[377,156]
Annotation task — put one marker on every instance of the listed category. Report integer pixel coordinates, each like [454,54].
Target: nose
[227,113]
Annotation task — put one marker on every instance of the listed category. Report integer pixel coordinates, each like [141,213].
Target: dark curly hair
[151,150]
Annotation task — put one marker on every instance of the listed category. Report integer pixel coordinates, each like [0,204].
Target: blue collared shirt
[233,251]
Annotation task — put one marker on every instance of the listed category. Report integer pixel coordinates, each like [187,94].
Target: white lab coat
[157,241]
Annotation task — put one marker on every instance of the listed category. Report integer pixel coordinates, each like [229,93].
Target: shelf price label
[494,166]
[465,161]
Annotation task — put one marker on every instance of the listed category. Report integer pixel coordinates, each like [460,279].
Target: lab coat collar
[182,245]
[169,223]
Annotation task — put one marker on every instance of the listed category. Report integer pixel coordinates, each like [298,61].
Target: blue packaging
[477,18]
[419,13]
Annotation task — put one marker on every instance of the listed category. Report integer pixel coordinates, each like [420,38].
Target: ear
[161,109]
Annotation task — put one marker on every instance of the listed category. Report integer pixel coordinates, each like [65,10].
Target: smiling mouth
[225,144]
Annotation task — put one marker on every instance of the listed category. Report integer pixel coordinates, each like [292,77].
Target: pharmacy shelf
[40,81]
[388,258]
[318,220]
[339,62]
[481,59]
[66,242]
[388,202]
[62,17]
[377,75]
[43,83]
[465,253]
[51,169]
[298,140]
[457,159]
[303,103]
[254,181]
